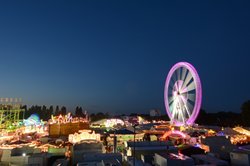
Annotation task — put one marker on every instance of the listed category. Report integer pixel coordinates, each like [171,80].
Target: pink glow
[168,133]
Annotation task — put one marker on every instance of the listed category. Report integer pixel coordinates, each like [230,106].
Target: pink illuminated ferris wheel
[182,94]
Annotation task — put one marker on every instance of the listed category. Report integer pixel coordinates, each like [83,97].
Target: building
[64,129]
[219,145]
[172,159]
[147,158]
[80,149]
[57,151]
[122,136]
[240,156]
[8,158]
[105,159]
[17,155]
[61,162]
[147,148]
[208,160]
[39,159]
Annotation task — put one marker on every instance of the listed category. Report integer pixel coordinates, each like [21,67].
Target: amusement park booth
[64,129]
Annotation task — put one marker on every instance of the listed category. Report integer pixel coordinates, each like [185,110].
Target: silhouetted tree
[43,108]
[51,110]
[245,113]
[202,117]
[43,113]
[57,112]
[78,112]
[99,116]
[63,110]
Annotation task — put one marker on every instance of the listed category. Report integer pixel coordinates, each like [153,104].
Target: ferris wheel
[182,94]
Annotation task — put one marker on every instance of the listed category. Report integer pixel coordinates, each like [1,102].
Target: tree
[51,110]
[44,108]
[202,117]
[99,116]
[63,110]
[57,112]
[245,113]
[78,112]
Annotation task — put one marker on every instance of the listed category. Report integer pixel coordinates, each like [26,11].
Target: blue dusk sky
[114,56]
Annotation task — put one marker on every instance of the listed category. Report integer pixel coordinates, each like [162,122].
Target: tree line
[225,119]
[45,112]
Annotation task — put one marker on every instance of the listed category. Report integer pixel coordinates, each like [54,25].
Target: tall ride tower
[11,112]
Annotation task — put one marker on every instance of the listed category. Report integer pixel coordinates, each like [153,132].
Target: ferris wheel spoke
[176,108]
[190,107]
[171,100]
[187,79]
[186,74]
[170,88]
[176,86]
[190,104]
[171,83]
[174,114]
[180,85]
[185,90]
[173,78]
[178,73]
[172,105]
[181,113]
[190,82]
[192,97]
[173,108]
[191,86]
[183,73]
[187,110]
[182,116]
[184,101]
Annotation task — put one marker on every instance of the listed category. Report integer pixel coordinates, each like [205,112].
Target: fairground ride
[182,94]
[11,113]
